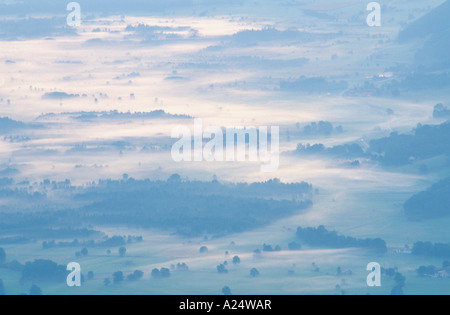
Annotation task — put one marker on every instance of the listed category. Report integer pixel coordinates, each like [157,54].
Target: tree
[182,266]
[267,248]
[397,290]
[203,249]
[90,275]
[35,290]
[322,237]
[2,256]
[254,273]
[84,252]
[226,291]
[222,269]
[118,277]
[400,279]
[136,275]
[236,260]
[106,282]
[155,273]
[390,272]
[43,270]
[174,178]
[122,251]
[426,270]
[161,273]
[2,288]
[164,272]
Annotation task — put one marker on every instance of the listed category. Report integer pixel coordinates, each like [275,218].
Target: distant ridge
[8,125]
[435,22]
[431,203]
[434,28]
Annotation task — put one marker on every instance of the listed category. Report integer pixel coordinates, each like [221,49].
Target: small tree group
[136,275]
[2,256]
[118,277]
[399,279]
[182,267]
[294,246]
[84,252]
[226,291]
[161,273]
[2,288]
[35,290]
[254,273]
[122,251]
[269,248]
[222,269]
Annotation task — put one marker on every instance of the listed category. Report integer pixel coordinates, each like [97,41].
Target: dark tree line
[43,271]
[424,142]
[190,208]
[427,141]
[2,256]
[2,288]
[431,270]
[322,237]
[431,250]
[431,203]
[160,273]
